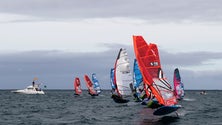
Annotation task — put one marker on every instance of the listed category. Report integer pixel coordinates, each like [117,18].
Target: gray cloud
[170,10]
[57,69]
[189,58]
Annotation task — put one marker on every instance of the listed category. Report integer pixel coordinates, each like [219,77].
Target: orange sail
[77,86]
[89,85]
[148,59]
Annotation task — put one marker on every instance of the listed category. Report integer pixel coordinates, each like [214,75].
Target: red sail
[77,86]
[148,59]
[89,85]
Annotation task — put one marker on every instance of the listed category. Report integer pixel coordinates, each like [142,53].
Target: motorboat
[30,90]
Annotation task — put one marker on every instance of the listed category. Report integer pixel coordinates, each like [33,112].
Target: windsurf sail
[96,83]
[122,74]
[142,89]
[89,85]
[137,80]
[77,86]
[137,76]
[112,79]
[178,85]
[148,59]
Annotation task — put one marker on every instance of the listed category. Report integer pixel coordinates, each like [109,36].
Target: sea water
[62,107]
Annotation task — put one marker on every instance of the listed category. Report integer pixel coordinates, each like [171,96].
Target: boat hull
[28,92]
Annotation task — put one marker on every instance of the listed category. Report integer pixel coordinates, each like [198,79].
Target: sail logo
[154,63]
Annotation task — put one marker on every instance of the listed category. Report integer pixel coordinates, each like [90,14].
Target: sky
[56,40]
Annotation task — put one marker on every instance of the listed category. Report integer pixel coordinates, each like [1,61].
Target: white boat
[30,90]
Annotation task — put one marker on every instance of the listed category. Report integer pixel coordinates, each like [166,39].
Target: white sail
[123,74]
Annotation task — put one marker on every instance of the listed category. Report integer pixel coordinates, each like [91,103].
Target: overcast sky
[58,40]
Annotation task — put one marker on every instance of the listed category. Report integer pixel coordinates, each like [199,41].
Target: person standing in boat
[33,83]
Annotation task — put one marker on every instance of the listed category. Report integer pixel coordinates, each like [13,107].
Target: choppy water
[61,107]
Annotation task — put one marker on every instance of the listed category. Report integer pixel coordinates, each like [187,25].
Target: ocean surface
[62,107]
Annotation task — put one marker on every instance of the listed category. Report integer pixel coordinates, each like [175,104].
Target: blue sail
[138,82]
[112,79]
[96,83]
[137,75]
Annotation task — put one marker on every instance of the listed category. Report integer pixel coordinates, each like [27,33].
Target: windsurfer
[113,91]
[136,95]
[153,103]
[118,97]
[150,101]
[145,98]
